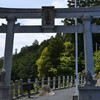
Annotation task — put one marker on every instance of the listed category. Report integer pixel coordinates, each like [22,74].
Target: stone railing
[54,83]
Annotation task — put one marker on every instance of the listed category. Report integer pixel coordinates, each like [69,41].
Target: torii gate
[48,14]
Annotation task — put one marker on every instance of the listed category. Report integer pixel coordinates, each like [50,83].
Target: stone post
[16,88]
[21,87]
[63,81]
[36,85]
[42,81]
[75,80]
[81,79]
[54,82]
[59,82]
[7,64]
[88,45]
[11,93]
[67,81]
[71,80]
[78,79]
[29,80]
[89,93]
[84,81]
[5,92]
[49,81]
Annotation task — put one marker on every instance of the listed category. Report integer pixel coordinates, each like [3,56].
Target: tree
[97,66]
[48,63]
[55,48]
[24,63]
[44,64]
[25,67]
[36,42]
[67,59]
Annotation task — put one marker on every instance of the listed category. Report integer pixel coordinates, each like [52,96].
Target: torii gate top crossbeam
[56,13]
[59,12]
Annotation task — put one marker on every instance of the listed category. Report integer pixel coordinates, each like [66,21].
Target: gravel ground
[63,94]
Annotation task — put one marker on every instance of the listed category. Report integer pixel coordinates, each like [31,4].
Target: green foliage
[84,3]
[97,66]
[1,63]
[81,62]
[98,76]
[50,58]
[43,63]
[55,47]
[67,60]
[24,65]
[56,59]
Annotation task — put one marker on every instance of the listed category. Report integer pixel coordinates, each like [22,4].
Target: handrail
[55,83]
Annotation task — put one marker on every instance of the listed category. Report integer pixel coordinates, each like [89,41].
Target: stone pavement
[63,94]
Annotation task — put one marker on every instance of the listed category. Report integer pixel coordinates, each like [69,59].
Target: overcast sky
[21,40]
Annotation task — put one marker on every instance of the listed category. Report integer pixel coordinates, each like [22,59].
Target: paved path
[63,94]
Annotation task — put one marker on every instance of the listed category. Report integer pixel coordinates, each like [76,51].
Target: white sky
[20,40]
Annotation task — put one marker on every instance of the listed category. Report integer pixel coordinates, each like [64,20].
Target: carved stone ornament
[2,76]
[48,17]
[89,80]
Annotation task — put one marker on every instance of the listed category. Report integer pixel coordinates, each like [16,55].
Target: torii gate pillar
[88,45]
[7,65]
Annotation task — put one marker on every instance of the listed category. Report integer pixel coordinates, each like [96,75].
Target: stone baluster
[49,81]
[59,81]
[63,81]
[42,81]
[88,45]
[29,80]
[75,80]
[21,87]
[71,80]
[16,88]
[81,79]
[7,64]
[11,97]
[54,82]
[84,81]
[67,81]
[78,79]
[36,85]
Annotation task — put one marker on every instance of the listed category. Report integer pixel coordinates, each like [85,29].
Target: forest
[55,56]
